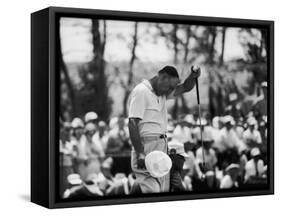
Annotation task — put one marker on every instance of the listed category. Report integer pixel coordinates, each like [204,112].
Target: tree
[93,96]
[128,86]
[222,45]
[67,90]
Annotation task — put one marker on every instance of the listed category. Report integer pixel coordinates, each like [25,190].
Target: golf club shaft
[199,115]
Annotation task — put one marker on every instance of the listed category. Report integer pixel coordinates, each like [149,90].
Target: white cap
[158,163]
[203,121]
[74,179]
[232,167]
[178,146]
[255,152]
[77,122]
[228,118]
[264,84]
[232,96]
[90,116]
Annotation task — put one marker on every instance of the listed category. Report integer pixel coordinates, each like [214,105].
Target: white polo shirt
[150,108]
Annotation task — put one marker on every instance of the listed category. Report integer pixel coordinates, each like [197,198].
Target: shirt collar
[147,84]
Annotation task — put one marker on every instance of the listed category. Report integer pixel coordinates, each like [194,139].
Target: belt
[153,138]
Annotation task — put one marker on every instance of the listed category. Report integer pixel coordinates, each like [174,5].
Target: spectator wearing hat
[100,138]
[177,155]
[81,148]
[73,182]
[148,121]
[240,128]
[182,132]
[229,145]
[95,174]
[252,136]
[66,155]
[254,168]
[209,153]
[207,178]
[120,185]
[190,166]
[197,129]
[94,147]
[230,179]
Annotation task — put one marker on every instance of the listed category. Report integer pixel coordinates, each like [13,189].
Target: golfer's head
[168,79]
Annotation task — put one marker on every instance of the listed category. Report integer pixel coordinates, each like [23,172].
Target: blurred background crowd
[95,155]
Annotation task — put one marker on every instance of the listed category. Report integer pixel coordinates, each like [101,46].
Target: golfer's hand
[195,71]
[140,161]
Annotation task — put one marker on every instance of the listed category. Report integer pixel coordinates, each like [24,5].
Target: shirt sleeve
[137,104]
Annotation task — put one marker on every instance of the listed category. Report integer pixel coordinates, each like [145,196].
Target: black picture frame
[45,104]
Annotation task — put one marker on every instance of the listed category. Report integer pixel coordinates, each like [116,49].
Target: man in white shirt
[230,178]
[254,168]
[148,122]
[252,136]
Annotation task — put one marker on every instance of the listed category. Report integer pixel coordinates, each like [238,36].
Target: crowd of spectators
[225,152]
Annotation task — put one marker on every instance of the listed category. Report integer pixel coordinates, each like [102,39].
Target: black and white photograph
[159,107]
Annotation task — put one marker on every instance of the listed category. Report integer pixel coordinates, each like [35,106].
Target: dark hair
[170,70]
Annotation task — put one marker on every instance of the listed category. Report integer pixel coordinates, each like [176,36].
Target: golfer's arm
[186,86]
[135,135]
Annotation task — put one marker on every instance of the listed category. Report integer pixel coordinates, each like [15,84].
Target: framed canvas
[133,107]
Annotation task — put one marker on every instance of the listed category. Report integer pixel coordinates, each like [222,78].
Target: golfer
[148,122]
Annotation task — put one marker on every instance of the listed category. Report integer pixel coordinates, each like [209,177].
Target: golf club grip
[197,90]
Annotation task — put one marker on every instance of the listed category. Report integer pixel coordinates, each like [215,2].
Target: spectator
[240,128]
[260,107]
[230,179]
[95,174]
[228,144]
[209,153]
[73,182]
[234,108]
[100,138]
[254,168]
[118,138]
[95,147]
[119,186]
[177,155]
[252,136]
[182,132]
[81,148]
[66,154]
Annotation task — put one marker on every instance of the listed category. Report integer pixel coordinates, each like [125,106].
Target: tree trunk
[212,45]
[97,68]
[175,43]
[67,80]
[186,51]
[130,73]
[222,45]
